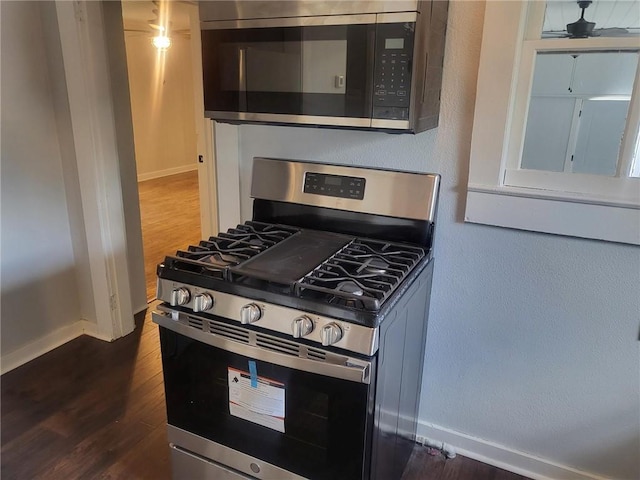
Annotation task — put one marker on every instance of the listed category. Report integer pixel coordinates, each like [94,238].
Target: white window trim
[589,206]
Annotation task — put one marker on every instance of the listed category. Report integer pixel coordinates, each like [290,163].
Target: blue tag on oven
[253,372]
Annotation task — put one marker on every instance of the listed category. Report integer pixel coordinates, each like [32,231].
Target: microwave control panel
[334,185]
[392,77]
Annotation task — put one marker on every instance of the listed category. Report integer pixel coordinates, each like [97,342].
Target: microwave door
[261,70]
[273,77]
[315,74]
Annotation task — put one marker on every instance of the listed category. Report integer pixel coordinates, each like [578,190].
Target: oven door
[314,70]
[261,409]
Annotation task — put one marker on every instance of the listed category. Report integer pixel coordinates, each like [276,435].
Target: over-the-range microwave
[341,64]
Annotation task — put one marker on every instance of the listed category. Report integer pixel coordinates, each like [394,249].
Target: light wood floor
[170,212]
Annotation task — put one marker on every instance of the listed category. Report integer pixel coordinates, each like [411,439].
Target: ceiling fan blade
[612,32]
[562,34]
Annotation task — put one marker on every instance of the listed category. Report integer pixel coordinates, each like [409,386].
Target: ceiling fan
[582,28]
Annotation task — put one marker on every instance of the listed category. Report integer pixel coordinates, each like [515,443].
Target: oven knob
[180,296]
[250,313]
[301,326]
[331,333]
[202,302]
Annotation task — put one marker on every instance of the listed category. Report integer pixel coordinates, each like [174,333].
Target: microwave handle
[242,80]
[352,369]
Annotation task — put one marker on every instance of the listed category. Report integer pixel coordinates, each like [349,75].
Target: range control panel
[334,185]
[392,78]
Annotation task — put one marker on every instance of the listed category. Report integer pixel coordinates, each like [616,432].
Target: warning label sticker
[256,399]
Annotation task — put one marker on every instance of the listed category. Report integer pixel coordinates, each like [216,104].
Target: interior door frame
[101,143]
[101,146]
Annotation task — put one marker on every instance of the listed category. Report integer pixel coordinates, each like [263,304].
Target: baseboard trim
[500,456]
[45,344]
[166,172]
[39,347]
[91,329]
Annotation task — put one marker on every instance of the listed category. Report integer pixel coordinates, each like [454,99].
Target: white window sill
[553,212]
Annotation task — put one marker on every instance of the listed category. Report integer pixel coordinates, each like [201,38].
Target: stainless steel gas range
[293,344]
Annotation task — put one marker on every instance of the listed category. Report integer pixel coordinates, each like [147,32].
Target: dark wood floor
[88,409]
[424,465]
[91,409]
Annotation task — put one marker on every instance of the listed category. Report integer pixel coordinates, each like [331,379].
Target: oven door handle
[348,368]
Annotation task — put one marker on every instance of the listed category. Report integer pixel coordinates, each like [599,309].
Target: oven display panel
[334,185]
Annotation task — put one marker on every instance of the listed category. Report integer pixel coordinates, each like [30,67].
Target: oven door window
[313,70]
[327,422]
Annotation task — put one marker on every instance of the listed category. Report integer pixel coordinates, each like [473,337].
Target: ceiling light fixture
[161,42]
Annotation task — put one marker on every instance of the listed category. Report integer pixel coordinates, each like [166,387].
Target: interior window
[578,111]
[555,145]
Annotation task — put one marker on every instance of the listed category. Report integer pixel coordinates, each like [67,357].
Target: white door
[204,132]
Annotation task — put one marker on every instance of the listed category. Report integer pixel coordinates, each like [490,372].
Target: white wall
[39,287]
[51,273]
[162,106]
[533,338]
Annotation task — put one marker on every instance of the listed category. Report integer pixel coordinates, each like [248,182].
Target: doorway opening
[161,83]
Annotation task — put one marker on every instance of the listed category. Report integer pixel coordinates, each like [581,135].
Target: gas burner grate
[363,274]
[214,256]
[257,235]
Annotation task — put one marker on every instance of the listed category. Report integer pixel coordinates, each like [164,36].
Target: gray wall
[46,278]
[533,338]
[39,287]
